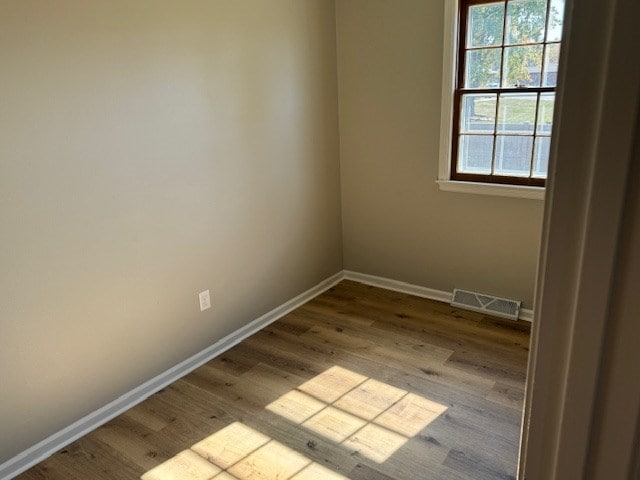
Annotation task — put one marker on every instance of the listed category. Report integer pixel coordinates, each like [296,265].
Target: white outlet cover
[205,300]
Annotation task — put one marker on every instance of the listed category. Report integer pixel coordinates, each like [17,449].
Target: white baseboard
[40,451]
[526,315]
[403,287]
[398,286]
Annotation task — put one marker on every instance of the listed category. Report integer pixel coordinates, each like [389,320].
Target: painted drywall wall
[396,222]
[150,150]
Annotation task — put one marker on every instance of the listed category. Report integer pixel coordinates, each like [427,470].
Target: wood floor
[360,383]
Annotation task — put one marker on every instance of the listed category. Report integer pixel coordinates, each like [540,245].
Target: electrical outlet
[205,300]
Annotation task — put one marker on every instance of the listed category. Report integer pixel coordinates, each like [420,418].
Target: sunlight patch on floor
[238,452]
[370,399]
[332,384]
[187,465]
[272,461]
[230,445]
[296,406]
[334,424]
[316,471]
[410,415]
[376,443]
[361,413]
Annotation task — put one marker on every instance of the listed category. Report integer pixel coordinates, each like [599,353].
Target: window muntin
[505,90]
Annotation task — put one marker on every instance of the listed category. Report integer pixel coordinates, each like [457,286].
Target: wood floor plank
[312,315]
[129,444]
[434,367]
[446,392]
[359,383]
[382,366]
[507,395]
[478,467]
[384,305]
[241,403]
[98,456]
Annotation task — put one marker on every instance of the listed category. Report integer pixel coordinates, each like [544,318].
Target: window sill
[496,189]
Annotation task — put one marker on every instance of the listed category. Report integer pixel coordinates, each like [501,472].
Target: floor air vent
[500,307]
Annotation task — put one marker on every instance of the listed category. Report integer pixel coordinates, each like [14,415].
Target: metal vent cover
[478,302]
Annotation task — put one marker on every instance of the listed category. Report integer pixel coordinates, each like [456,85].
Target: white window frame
[449,67]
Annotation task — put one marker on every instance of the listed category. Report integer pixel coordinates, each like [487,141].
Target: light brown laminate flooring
[359,383]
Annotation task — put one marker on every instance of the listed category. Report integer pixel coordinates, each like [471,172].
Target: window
[501,107]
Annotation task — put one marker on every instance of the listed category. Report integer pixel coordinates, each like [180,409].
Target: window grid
[546,43]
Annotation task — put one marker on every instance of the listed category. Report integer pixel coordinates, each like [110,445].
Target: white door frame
[585,264]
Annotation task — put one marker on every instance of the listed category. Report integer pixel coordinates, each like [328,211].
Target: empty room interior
[314,239]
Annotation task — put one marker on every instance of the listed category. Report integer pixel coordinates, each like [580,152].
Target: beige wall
[153,149]
[396,222]
[150,150]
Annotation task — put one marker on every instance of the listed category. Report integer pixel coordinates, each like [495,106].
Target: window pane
[541,157]
[485,25]
[551,56]
[482,68]
[545,113]
[478,113]
[525,21]
[513,155]
[517,113]
[474,154]
[522,66]
[556,15]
